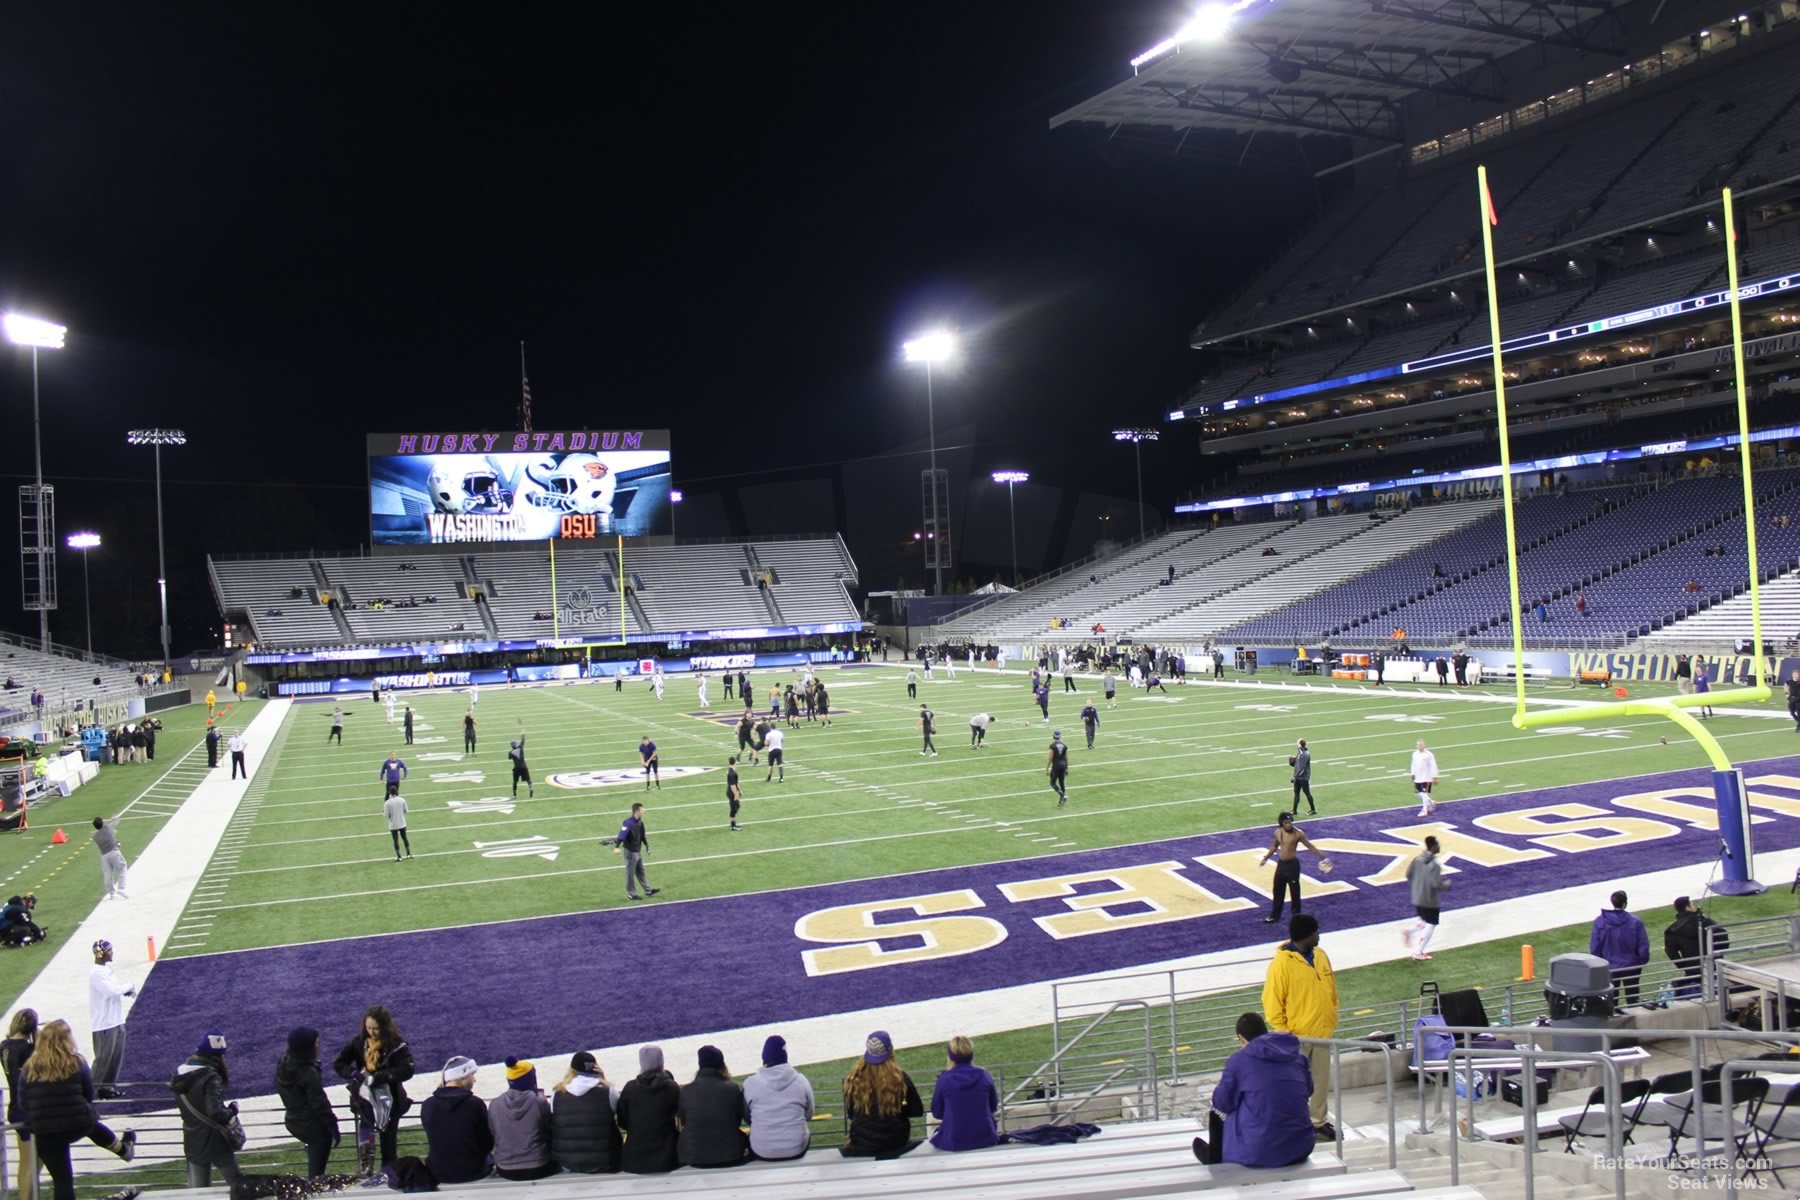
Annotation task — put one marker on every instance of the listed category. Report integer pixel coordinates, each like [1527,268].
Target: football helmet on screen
[581,483]
[467,483]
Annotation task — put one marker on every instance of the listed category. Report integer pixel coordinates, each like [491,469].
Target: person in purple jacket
[1624,943]
[964,1101]
[1261,1102]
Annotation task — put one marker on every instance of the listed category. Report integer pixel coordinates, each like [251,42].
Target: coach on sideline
[1301,761]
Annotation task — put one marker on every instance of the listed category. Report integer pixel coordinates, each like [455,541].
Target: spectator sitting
[779,1101]
[520,1120]
[1264,1094]
[710,1110]
[12,685]
[1692,585]
[457,628]
[964,1101]
[1270,552]
[880,1102]
[458,1142]
[646,1112]
[584,1137]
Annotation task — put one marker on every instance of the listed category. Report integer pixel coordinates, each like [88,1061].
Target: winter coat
[1425,875]
[965,1100]
[458,1142]
[13,1053]
[521,1124]
[394,1068]
[1620,939]
[1263,1094]
[204,1115]
[873,1136]
[583,1134]
[1682,940]
[1301,997]
[710,1110]
[779,1100]
[646,1114]
[61,1108]
[307,1110]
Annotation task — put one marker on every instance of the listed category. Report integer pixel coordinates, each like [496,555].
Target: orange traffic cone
[1621,693]
[59,838]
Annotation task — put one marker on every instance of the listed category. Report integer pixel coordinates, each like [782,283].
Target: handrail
[1093,1092]
[1388,1051]
[1055,1060]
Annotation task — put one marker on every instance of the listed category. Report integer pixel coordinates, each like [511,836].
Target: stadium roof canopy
[1340,67]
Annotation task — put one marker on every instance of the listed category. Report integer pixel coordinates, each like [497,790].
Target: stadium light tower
[1011,479]
[1137,435]
[156,439]
[933,349]
[85,542]
[39,550]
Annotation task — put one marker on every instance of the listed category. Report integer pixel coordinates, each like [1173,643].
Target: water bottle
[1505,1016]
[1665,997]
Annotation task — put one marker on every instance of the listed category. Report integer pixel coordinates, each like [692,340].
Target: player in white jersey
[1135,677]
[1424,775]
[700,685]
[950,666]
[474,694]
[388,696]
[656,683]
[1000,660]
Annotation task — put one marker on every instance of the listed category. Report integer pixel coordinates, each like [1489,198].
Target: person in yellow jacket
[1300,997]
[212,701]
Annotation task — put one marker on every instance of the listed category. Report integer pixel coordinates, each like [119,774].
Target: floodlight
[931,348]
[675,496]
[157,437]
[83,541]
[29,331]
[1012,476]
[1209,23]
[1136,434]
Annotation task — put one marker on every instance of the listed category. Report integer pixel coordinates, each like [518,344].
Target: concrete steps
[1494,1171]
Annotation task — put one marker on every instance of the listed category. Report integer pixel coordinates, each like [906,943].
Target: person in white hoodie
[780,1100]
[584,1136]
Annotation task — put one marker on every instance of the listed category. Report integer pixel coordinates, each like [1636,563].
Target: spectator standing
[710,1111]
[520,1121]
[964,1101]
[212,746]
[58,1101]
[646,1113]
[377,1063]
[1300,997]
[199,1086]
[584,1134]
[1685,942]
[779,1103]
[1259,1114]
[1621,939]
[106,1016]
[306,1110]
[880,1102]
[112,860]
[459,1144]
[21,1039]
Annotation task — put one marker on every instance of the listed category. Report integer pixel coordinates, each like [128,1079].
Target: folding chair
[1777,1121]
[1702,1111]
[1633,1095]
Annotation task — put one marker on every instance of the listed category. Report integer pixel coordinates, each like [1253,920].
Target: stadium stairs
[1719,627]
[67,682]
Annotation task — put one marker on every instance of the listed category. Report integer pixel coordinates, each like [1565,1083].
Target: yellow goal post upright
[556,606]
[1728,782]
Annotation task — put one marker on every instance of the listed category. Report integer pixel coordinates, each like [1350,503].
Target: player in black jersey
[733,791]
[521,772]
[1056,766]
[747,736]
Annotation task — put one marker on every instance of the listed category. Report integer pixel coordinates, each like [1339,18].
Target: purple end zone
[665,970]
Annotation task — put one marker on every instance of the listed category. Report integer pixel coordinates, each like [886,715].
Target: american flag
[524,392]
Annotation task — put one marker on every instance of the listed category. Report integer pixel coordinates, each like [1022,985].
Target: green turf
[66,878]
[1203,758]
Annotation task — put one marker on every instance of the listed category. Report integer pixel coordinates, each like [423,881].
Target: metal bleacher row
[509,593]
[1647,561]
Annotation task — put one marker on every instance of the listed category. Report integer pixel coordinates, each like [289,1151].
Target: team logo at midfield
[614,778]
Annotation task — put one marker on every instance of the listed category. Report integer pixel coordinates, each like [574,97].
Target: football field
[307,858]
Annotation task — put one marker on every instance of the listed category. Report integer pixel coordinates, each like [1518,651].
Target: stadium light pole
[1010,479]
[1137,435]
[38,335]
[156,439]
[931,349]
[85,542]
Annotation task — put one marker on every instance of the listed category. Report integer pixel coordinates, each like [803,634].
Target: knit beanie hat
[211,1042]
[649,1059]
[458,1068]
[301,1041]
[521,1076]
[774,1050]
[584,1061]
[713,1057]
[878,1048]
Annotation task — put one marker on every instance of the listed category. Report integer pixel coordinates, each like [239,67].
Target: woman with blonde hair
[21,1036]
[964,1101]
[584,1136]
[880,1102]
[58,1095]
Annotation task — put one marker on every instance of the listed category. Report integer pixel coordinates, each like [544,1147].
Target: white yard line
[163,877]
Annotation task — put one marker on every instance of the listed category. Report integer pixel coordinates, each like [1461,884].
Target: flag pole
[524,391]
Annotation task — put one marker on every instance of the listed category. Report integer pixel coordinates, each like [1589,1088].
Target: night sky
[282,227]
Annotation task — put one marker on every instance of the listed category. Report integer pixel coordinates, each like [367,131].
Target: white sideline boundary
[161,881]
